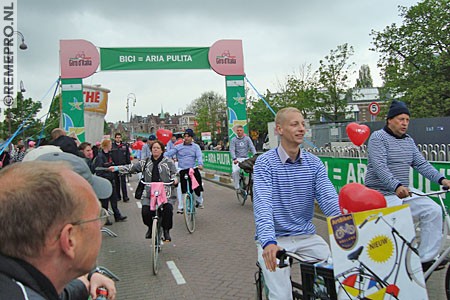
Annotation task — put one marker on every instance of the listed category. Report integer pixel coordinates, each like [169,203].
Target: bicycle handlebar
[165,183]
[107,272]
[443,191]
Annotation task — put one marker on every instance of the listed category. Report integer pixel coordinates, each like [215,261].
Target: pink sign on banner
[226,57]
[79,58]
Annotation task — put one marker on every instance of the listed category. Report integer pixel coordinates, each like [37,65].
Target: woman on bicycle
[157,169]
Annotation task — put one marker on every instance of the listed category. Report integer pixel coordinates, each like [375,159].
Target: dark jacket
[120,154]
[103,160]
[37,285]
[67,144]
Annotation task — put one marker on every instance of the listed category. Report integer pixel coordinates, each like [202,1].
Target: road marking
[175,272]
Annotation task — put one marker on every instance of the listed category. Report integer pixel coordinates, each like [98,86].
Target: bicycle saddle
[355,254]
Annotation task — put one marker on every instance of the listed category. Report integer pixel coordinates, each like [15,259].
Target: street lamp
[22,46]
[131,96]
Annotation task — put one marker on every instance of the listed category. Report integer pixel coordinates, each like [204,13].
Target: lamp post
[22,46]
[131,96]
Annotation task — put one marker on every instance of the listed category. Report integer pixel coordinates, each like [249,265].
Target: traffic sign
[374,108]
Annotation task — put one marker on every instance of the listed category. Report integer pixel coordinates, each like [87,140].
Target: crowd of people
[52,255]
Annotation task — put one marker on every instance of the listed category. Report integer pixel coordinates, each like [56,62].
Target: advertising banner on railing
[217,161]
[346,170]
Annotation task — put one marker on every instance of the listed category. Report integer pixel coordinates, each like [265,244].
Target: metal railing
[430,152]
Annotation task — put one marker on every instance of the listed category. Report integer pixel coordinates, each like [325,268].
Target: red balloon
[164,135]
[358,134]
[355,197]
[137,145]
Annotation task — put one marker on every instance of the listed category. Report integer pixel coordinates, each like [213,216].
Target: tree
[334,74]
[210,109]
[25,113]
[300,91]
[364,79]
[259,114]
[415,57]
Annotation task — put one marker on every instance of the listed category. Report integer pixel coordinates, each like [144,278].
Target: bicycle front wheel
[156,246]
[413,267]
[447,283]
[189,213]
[241,193]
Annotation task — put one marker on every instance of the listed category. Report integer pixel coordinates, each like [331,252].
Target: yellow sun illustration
[380,248]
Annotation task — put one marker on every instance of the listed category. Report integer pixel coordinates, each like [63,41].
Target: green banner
[154,58]
[236,102]
[217,160]
[346,170]
[72,107]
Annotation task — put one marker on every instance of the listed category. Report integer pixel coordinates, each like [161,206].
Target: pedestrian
[66,143]
[104,160]
[146,152]
[391,154]
[287,182]
[88,154]
[240,146]
[120,154]
[59,242]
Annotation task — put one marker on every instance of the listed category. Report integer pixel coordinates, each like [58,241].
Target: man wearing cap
[120,154]
[189,156]
[61,237]
[391,153]
[146,149]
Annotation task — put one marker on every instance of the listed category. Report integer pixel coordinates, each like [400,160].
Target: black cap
[152,138]
[397,108]
[189,132]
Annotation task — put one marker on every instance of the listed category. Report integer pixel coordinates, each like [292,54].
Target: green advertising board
[154,58]
[217,161]
[73,107]
[236,102]
[346,170]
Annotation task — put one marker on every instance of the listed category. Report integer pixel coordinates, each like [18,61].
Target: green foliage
[258,114]
[334,73]
[53,118]
[26,110]
[210,109]
[415,58]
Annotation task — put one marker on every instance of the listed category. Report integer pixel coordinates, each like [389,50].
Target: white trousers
[235,172]
[278,282]
[429,214]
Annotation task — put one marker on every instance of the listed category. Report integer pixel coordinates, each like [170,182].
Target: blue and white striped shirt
[187,155]
[284,194]
[389,162]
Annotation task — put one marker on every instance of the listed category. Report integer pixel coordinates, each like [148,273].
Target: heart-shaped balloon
[164,135]
[358,134]
[355,197]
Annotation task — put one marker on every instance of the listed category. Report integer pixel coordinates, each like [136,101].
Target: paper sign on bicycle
[374,255]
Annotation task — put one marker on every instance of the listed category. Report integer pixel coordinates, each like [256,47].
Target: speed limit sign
[374,108]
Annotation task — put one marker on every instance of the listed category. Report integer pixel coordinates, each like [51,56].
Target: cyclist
[189,156]
[391,153]
[157,169]
[287,181]
[240,146]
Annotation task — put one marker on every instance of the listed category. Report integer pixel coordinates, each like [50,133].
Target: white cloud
[277,38]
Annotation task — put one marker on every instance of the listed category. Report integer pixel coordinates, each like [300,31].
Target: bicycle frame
[189,207]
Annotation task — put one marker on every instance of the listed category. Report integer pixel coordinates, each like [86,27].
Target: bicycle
[189,206]
[445,250]
[245,187]
[245,182]
[317,280]
[157,237]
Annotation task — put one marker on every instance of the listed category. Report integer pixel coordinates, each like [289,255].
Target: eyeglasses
[104,214]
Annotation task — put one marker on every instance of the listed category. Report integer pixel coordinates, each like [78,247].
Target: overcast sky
[278,37]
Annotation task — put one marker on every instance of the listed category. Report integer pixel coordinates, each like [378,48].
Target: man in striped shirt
[240,146]
[392,153]
[287,181]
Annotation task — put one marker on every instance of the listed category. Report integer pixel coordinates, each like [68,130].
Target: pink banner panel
[79,58]
[226,57]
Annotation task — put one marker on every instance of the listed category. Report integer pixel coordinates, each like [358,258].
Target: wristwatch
[95,270]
